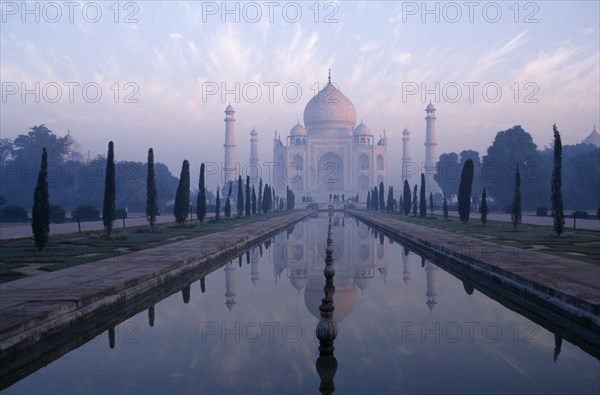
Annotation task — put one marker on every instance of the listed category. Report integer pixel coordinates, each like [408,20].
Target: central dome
[330,111]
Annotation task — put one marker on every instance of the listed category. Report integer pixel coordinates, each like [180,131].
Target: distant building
[593,138]
[75,151]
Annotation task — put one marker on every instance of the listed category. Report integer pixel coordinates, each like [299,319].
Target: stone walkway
[574,283]
[31,306]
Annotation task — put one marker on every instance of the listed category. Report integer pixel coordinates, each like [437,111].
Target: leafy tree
[86,213]
[218,206]
[422,199]
[414,201]
[381,197]
[13,213]
[510,148]
[201,203]
[182,198]
[108,209]
[516,206]
[40,213]
[227,210]
[151,203]
[464,191]
[483,208]
[253,200]
[6,150]
[240,197]
[247,206]
[558,215]
[447,173]
[406,201]
[445,207]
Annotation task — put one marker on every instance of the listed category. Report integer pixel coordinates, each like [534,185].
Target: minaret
[431,270]
[229,166]
[405,153]
[230,276]
[430,152]
[254,173]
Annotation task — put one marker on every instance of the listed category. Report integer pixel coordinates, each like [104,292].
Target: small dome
[405,132]
[229,108]
[430,107]
[298,130]
[362,282]
[362,130]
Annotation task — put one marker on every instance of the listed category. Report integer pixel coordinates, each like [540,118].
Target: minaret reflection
[326,331]
[431,270]
[230,277]
[405,271]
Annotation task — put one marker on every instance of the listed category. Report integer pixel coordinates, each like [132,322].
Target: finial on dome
[329,77]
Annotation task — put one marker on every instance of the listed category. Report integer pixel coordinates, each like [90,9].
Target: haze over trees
[75,183]
[580,170]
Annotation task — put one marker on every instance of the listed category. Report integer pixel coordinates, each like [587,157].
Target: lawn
[74,249]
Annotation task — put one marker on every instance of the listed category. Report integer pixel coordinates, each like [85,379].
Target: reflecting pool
[404,325]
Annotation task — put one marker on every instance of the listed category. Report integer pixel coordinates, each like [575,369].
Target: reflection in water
[185,294]
[151,316]
[326,330]
[230,276]
[296,257]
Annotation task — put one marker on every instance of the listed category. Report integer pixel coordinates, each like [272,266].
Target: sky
[160,74]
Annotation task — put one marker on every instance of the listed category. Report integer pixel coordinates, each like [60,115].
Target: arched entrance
[331,173]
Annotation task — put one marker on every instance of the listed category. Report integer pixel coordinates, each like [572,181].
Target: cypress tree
[375,199]
[390,199]
[406,201]
[247,207]
[253,200]
[431,204]
[558,215]
[464,191]
[240,197]
[422,199]
[414,202]
[265,200]
[217,206]
[182,198]
[483,209]
[201,203]
[369,200]
[151,203]
[108,209]
[259,204]
[40,213]
[445,207]
[381,197]
[227,209]
[516,206]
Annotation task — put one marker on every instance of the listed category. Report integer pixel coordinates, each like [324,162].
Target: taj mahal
[330,154]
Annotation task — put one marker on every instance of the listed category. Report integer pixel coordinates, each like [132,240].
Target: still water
[404,326]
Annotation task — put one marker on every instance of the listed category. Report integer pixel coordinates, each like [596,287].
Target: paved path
[532,219]
[567,280]
[32,305]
